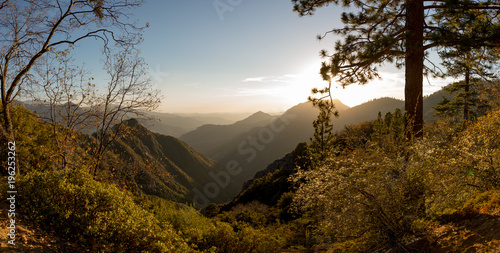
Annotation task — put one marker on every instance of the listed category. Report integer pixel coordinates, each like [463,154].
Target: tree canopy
[400,32]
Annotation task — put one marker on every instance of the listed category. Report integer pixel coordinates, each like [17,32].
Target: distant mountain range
[178,124]
[269,185]
[164,123]
[260,139]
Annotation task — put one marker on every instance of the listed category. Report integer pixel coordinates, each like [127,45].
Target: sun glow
[391,84]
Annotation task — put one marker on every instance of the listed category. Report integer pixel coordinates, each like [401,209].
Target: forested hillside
[159,165]
[81,171]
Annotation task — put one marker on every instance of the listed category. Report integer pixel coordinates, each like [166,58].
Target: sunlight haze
[251,56]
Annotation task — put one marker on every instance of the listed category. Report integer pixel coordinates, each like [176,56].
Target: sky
[227,56]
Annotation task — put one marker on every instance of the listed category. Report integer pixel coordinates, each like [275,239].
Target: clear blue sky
[246,56]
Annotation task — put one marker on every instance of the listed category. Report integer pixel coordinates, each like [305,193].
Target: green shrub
[33,141]
[254,219]
[186,220]
[223,238]
[96,215]
[254,214]
[244,231]
[487,202]
[212,210]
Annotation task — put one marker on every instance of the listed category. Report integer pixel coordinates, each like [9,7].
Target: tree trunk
[466,98]
[8,128]
[414,61]
[7,135]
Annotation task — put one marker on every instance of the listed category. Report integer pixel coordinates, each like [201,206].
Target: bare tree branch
[31,29]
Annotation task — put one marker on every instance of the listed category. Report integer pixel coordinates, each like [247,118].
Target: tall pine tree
[398,31]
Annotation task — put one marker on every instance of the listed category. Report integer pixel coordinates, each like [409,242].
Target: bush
[244,230]
[480,146]
[33,141]
[223,238]
[96,215]
[186,220]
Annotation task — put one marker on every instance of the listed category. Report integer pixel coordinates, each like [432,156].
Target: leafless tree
[62,95]
[29,29]
[72,101]
[129,93]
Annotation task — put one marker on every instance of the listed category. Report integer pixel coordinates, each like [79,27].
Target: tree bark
[414,60]
[466,96]
[7,135]
[7,128]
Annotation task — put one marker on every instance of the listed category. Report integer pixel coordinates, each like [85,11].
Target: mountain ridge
[257,147]
[159,165]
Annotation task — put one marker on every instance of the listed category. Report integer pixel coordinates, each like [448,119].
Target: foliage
[465,59]
[322,142]
[246,228]
[223,238]
[34,143]
[480,152]
[385,191]
[354,136]
[364,197]
[97,215]
[186,220]
[267,189]
[323,138]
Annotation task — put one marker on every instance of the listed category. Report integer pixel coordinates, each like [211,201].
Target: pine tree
[466,103]
[379,130]
[399,31]
[322,143]
[388,119]
[396,128]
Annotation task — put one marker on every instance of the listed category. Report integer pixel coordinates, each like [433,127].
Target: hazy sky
[245,56]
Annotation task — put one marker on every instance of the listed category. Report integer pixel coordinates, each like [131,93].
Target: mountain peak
[133,123]
[308,107]
[339,106]
[254,118]
[259,114]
